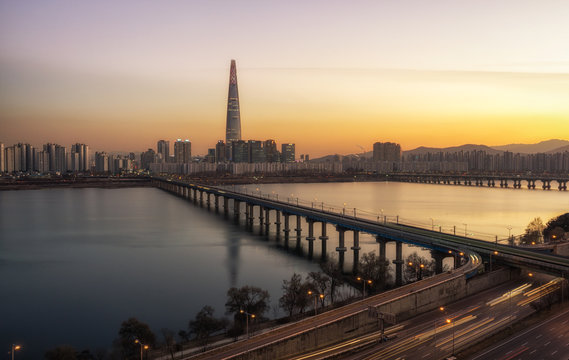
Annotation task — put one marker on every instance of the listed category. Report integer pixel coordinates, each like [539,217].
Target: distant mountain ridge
[541,147]
[548,146]
[466,148]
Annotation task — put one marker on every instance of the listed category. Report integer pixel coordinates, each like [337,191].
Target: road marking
[508,353]
[538,336]
[547,343]
[426,355]
[553,353]
[524,344]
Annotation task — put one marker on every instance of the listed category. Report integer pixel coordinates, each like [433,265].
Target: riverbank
[29,183]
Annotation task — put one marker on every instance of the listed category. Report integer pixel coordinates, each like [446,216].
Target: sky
[330,76]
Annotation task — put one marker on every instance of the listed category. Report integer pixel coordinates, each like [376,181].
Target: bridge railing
[377,216]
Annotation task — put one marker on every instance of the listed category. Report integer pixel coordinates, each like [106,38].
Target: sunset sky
[330,76]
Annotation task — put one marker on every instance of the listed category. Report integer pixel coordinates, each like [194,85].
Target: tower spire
[233,125]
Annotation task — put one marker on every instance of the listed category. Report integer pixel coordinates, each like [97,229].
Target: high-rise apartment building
[163,151]
[146,158]
[220,152]
[182,151]
[233,124]
[79,158]
[240,151]
[256,153]
[287,153]
[101,162]
[386,151]
[271,152]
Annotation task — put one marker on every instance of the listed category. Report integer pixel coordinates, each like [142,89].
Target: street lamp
[442,309]
[142,347]
[464,229]
[432,224]
[449,321]
[315,296]
[15,348]
[418,270]
[509,227]
[495,253]
[364,281]
[247,321]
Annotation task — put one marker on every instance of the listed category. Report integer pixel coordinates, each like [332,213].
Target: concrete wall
[404,307]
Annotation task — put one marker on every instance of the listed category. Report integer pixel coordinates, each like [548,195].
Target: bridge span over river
[441,244]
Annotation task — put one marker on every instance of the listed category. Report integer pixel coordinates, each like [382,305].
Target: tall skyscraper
[233,125]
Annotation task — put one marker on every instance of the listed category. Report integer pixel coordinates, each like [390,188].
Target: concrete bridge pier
[195,196]
[298,231]
[248,216]
[310,238]
[236,205]
[286,228]
[267,221]
[562,185]
[226,205]
[381,241]
[356,248]
[531,184]
[201,198]
[261,220]
[324,238]
[278,224]
[546,184]
[341,249]
[438,257]
[216,203]
[398,263]
[208,202]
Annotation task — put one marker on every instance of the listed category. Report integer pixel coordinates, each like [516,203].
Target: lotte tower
[233,125]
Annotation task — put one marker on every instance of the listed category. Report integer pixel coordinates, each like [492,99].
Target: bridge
[353,320]
[441,244]
[489,180]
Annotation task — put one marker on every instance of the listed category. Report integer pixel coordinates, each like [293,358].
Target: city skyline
[327,76]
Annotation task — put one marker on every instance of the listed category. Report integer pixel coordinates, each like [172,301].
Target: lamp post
[432,224]
[315,296]
[442,309]
[495,253]
[364,281]
[418,270]
[15,348]
[142,347]
[465,225]
[449,321]
[247,321]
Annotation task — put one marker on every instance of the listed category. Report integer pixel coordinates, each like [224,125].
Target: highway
[430,335]
[546,340]
[297,328]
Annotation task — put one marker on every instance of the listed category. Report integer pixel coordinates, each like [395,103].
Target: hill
[541,147]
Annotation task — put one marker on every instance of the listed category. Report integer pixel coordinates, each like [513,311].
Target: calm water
[487,212]
[75,263]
